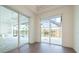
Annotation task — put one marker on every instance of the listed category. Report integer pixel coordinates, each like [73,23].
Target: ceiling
[41,8]
[36,8]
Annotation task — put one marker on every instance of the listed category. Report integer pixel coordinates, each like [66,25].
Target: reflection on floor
[54,40]
[42,48]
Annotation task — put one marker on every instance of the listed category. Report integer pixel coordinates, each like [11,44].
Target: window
[12,32]
[51,30]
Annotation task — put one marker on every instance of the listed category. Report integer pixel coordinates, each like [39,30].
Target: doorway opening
[51,30]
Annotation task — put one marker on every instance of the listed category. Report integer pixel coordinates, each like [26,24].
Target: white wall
[76,28]
[67,23]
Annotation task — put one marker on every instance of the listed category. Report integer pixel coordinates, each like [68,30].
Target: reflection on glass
[14,30]
[8,29]
[24,27]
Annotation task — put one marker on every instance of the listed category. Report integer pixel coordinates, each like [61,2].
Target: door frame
[50,33]
[26,29]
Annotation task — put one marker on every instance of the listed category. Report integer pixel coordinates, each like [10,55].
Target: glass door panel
[56,36]
[45,31]
[14,29]
[23,29]
[8,29]
[56,31]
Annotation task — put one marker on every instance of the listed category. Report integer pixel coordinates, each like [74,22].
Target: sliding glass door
[14,29]
[23,29]
[51,30]
[8,29]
